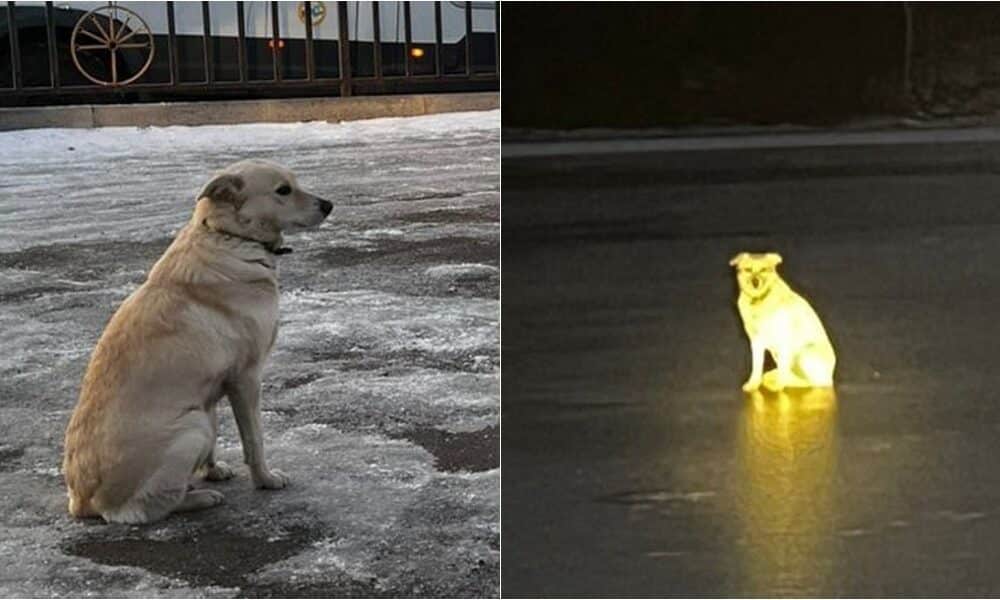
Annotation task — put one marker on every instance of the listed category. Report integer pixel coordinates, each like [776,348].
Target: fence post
[172,45]
[409,39]
[277,53]
[310,59]
[15,47]
[468,39]
[438,42]
[241,37]
[345,49]
[208,55]
[377,34]
[50,33]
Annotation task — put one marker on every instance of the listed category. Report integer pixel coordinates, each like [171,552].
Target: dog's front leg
[757,368]
[244,396]
[779,378]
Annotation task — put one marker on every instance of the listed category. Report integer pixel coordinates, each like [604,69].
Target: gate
[98,52]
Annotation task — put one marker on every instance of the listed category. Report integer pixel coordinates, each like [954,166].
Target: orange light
[417,52]
[270,44]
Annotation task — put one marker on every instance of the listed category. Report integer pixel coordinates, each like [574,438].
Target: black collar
[763,296]
[269,247]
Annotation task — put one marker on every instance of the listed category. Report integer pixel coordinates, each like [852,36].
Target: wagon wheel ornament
[102,30]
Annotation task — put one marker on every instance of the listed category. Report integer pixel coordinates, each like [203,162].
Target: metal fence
[127,52]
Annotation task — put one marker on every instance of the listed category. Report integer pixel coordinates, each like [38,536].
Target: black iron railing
[59,55]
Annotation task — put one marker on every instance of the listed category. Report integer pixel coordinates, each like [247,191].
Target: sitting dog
[779,321]
[199,328]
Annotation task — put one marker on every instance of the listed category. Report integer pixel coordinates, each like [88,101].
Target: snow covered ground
[381,400]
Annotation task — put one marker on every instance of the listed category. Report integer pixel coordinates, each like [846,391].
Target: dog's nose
[325,206]
[755,282]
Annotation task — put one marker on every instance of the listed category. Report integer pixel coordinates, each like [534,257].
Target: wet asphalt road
[634,464]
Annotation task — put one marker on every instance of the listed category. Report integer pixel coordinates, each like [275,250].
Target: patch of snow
[373,321]
[462,272]
[134,144]
[381,234]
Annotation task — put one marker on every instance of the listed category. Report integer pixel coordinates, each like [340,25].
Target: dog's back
[107,445]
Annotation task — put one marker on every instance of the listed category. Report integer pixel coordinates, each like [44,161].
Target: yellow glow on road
[787,451]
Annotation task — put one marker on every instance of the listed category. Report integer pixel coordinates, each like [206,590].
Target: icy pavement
[381,400]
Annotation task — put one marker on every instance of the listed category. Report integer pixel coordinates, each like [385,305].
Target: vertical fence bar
[310,59]
[275,42]
[409,38]
[241,36]
[209,58]
[438,43]
[345,49]
[172,45]
[377,35]
[468,39]
[50,33]
[208,55]
[15,49]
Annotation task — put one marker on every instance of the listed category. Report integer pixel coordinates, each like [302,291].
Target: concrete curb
[871,124]
[230,112]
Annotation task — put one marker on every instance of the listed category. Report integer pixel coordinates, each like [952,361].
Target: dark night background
[572,65]
[634,465]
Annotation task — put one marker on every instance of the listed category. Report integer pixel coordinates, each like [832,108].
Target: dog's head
[756,273]
[257,199]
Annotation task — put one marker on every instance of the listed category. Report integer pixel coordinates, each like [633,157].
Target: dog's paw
[274,480]
[774,383]
[212,497]
[751,385]
[199,499]
[220,471]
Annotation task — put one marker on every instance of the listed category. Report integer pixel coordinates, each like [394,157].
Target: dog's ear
[225,189]
[773,259]
[737,259]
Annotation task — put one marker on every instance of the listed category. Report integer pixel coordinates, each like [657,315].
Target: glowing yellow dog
[783,323]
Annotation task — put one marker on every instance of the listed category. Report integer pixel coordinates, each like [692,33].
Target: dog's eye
[284,190]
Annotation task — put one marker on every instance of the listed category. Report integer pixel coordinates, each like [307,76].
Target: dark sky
[580,64]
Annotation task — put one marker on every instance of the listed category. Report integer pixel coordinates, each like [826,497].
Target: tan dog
[199,328]
[779,321]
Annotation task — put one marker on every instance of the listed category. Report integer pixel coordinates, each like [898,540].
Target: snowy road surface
[381,399]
